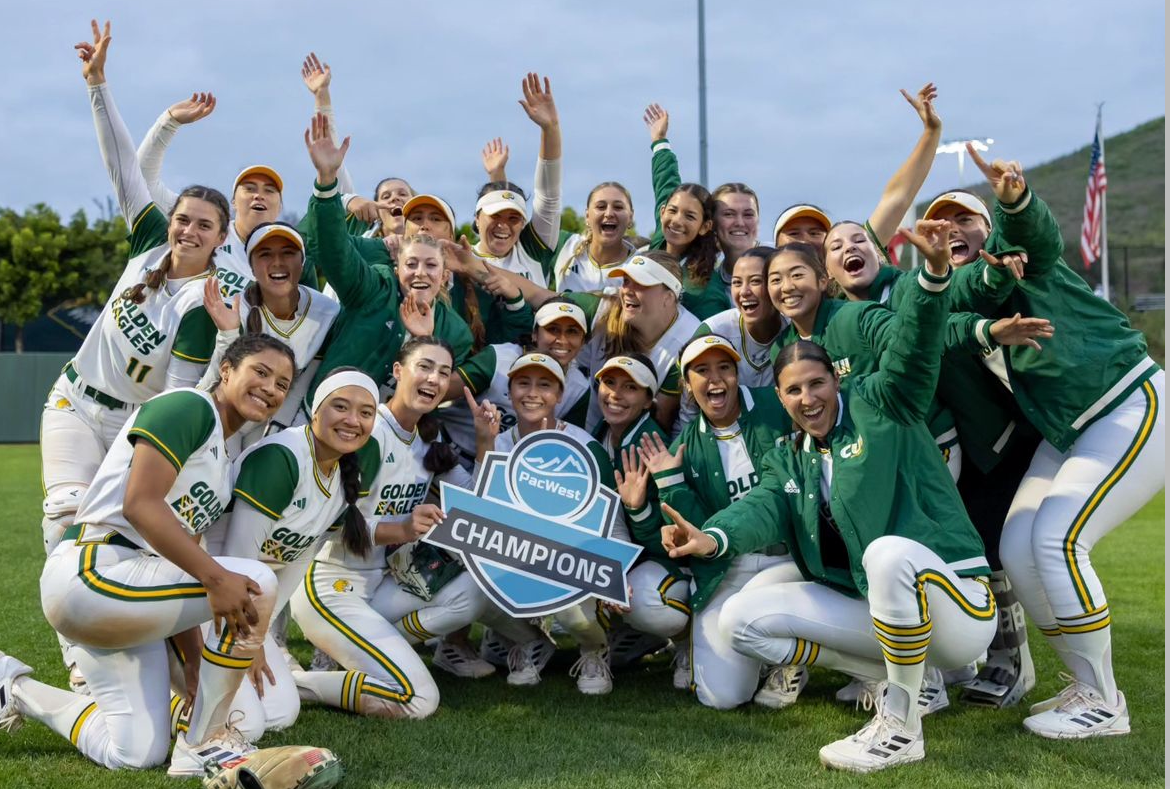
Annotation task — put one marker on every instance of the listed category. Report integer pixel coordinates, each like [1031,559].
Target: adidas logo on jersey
[299,504]
[791,487]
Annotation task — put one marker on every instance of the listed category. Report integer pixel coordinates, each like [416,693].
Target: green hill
[1135,165]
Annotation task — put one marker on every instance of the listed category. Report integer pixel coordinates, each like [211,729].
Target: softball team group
[827,460]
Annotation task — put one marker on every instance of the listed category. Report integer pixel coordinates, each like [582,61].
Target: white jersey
[304,333]
[755,364]
[580,273]
[280,480]
[486,375]
[398,486]
[232,267]
[184,426]
[128,349]
[664,355]
[519,261]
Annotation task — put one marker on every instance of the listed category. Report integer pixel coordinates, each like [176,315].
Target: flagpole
[1104,216]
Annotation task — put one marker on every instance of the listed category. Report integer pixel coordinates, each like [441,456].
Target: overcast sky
[803,98]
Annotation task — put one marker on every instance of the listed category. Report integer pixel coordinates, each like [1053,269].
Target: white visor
[341,380]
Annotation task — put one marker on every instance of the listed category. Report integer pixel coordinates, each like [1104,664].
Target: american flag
[1094,200]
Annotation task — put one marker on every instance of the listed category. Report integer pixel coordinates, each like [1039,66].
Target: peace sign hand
[198,107]
[93,55]
[923,104]
[1006,178]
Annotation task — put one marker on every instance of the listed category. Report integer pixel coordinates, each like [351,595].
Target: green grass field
[645,734]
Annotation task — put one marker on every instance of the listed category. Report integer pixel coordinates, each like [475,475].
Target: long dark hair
[701,253]
[156,278]
[441,456]
[355,536]
[250,344]
[251,295]
[799,351]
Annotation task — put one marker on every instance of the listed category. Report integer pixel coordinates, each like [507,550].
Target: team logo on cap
[507,195]
[623,360]
[536,357]
[535,532]
[565,308]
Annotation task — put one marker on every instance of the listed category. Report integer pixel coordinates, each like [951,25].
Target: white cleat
[458,659]
[933,696]
[525,661]
[682,667]
[11,670]
[592,672]
[882,743]
[494,648]
[1080,713]
[196,761]
[782,687]
[851,693]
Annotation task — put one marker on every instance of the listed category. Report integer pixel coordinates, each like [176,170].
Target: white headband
[340,381]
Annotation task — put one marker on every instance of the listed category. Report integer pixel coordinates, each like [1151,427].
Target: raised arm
[903,187]
[1022,219]
[154,145]
[317,77]
[663,166]
[327,238]
[904,385]
[114,140]
[540,108]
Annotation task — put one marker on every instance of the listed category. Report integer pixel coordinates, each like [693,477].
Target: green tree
[572,221]
[97,254]
[32,271]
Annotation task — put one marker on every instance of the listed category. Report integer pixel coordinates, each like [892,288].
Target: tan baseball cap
[537,360]
[642,375]
[964,200]
[796,212]
[431,200]
[700,345]
[259,169]
[274,230]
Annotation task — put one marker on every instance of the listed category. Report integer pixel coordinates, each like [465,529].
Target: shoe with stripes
[11,670]
[933,696]
[627,645]
[882,743]
[458,659]
[1003,681]
[782,687]
[1080,713]
[494,648]
[196,761]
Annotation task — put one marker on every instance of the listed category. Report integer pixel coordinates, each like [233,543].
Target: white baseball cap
[537,360]
[273,230]
[964,200]
[259,169]
[796,212]
[700,345]
[642,375]
[646,271]
[561,309]
[431,200]
[493,203]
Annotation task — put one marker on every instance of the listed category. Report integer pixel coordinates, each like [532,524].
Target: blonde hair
[587,236]
[618,336]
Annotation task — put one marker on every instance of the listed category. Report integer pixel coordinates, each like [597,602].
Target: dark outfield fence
[25,380]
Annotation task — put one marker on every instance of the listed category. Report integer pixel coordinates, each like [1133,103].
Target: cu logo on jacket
[853,450]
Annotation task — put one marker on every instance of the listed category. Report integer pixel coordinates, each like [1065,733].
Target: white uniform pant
[367,623]
[722,677]
[278,708]
[76,434]
[659,600]
[119,605]
[917,608]
[1065,504]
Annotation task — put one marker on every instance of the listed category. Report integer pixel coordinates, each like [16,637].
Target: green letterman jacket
[886,478]
[367,333]
[698,490]
[701,300]
[1093,362]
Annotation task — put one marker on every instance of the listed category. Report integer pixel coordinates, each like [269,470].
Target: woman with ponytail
[153,333]
[293,490]
[274,304]
[367,609]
